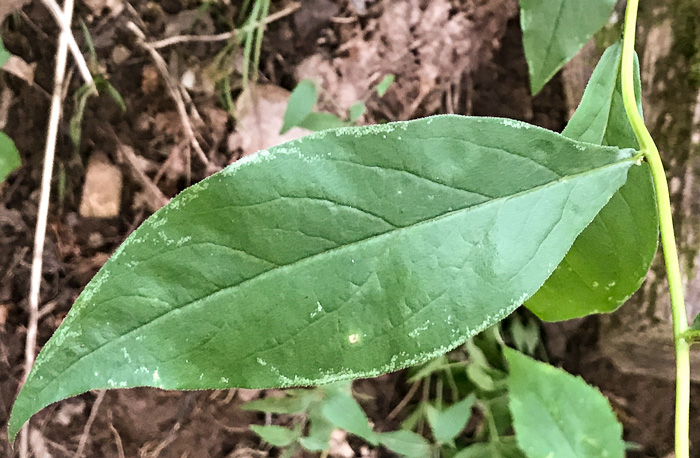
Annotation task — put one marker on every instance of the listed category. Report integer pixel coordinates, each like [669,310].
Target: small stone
[102,190]
[120,54]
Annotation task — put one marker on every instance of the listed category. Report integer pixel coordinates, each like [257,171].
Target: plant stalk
[668,240]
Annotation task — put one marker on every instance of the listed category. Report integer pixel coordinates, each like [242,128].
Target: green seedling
[321,410]
[302,101]
[9,156]
[83,94]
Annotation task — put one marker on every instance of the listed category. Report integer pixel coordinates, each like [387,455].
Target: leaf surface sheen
[610,259]
[345,254]
[555,30]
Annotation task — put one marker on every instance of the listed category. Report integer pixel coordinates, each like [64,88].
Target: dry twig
[64,24]
[42,216]
[173,89]
[130,156]
[117,438]
[88,425]
[291,8]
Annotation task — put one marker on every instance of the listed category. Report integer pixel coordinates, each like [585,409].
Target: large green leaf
[555,30]
[345,254]
[9,156]
[609,260]
[557,414]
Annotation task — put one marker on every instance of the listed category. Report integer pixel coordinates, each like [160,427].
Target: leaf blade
[9,156]
[552,40]
[4,53]
[608,262]
[301,103]
[447,424]
[555,413]
[322,275]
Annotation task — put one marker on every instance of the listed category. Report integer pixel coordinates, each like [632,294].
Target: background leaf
[590,120]
[322,121]
[301,103]
[610,259]
[447,424]
[341,409]
[345,254]
[4,53]
[557,414]
[555,30]
[9,156]
[405,443]
[275,435]
[384,84]
[294,402]
[356,111]
[320,430]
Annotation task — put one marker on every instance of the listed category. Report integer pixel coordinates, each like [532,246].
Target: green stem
[668,242]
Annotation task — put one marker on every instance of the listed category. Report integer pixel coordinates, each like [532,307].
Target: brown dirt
[490,80]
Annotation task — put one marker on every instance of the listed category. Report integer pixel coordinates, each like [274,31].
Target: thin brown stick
[88,425]
[43,211]
[291,8]
[173,89]
[64,24]
[404,402]
[117,437]
[130,157]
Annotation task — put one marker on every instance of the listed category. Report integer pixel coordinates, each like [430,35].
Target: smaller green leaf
[322,121]
[384,84]
[4,54]
[356,110]
[448,423]
[430,368]
[275,435]
[498,412]
[405,443]
[9,156]
[478,450]
[609,260]
[590,120]
[526,336]
[557,414]
[507,447]
[320,430]
[504,448]
[76,120]
[692,334]
[476,354]
[481,378]
[341,409]
[300,105]
[286,405]
[112,92]
[555,30]
[89,42]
